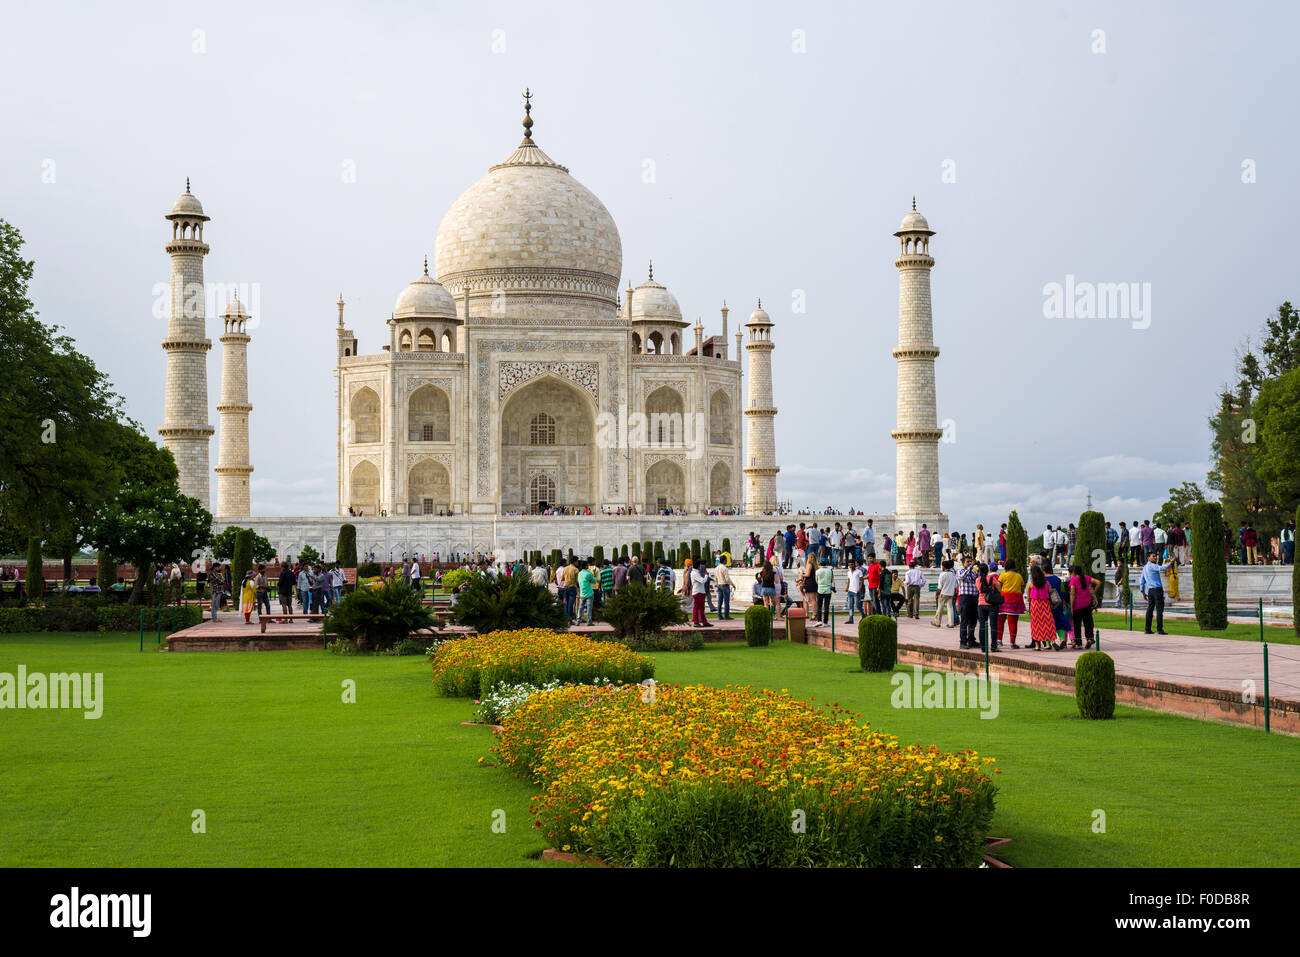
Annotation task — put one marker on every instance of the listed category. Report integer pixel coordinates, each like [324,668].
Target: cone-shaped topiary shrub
[758,626]
[877,643]
[346,551]
[1018,544]
[1090,545]
[1094,685]
[1210,586]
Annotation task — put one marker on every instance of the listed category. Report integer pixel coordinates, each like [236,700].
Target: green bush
[695,551]
[455,578]
[636,610]
[659,551]
[223,545]
[369,570]
[85,613]
[1018,544]
[34,581]
[1094,685]
[375,619]
[726,545]
[555,557]
[683,553]
[345,553]
[1090,544]
[308,555]
[706,553]
[506,603]
[598,554]
[758,626]
[243,558]
[1209,568]
[877,643]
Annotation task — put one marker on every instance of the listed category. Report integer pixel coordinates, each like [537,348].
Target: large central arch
[547,443]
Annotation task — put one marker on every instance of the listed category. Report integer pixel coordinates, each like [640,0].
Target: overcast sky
[786,142]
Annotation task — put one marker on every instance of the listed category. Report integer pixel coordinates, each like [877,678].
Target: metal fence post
[1261,618]
[832,628]
[1267,729]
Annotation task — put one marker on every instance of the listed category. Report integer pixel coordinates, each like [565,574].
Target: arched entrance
[428,489]
[547,449]
[665,487]
[364,489]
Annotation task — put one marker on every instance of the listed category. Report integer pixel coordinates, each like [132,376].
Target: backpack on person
[992,594]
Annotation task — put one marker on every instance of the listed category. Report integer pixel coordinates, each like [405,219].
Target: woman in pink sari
[911,547]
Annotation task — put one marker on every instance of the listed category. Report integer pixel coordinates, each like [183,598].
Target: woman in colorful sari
[1042,623]
[1012,585]
[247,597]
[910,549]
[1061,612]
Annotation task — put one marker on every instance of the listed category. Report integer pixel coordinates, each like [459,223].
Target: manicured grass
[1236,631]
[262,742]
[290,775]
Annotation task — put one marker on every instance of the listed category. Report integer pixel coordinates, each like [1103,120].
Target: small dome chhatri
[759,316]
[914,222]
[425,298]
[187,204]
[652,301]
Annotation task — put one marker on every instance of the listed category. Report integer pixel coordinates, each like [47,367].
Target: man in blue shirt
[1153,589]
[788,558]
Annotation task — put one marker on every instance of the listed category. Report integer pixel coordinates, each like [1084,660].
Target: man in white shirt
[869,540]
[854,597]
[699,585]
[1161,537]
[913,582]
[1135,544]
[947,595]
[836,542]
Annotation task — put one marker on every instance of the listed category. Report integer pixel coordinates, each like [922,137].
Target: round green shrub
[758,626]
[1094,685]
[877,643]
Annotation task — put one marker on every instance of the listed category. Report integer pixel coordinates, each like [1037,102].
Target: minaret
[917,432]
[185,429]
[724,331]
[760,434]
[233,468]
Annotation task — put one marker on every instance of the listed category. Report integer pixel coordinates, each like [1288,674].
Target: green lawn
[1236,631]
[290,775]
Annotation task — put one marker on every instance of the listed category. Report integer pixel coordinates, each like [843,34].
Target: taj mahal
[515,399]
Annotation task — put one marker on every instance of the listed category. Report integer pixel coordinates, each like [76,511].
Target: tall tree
[1179,506]
[147,524]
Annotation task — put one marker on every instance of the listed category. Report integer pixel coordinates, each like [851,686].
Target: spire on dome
[528,120]
[187,184]
[652,269]
[426,264]
[913,204]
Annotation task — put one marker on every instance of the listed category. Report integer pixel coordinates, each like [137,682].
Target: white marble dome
[425,298]
[187,205]
[914,222]
[530,229]
[653,302]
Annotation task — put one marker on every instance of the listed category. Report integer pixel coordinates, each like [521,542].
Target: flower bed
[471,667]
[696,776]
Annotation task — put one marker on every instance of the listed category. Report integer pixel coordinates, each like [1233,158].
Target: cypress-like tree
[598,554]
[659,551]
[695,551]
[1210,585]
[683,553]
[1090,544]
[625,552]
[35,582]
[105,571]
[707,553]
[726,545]
[555,558]
[1017,543]
[242,560]
[346,551]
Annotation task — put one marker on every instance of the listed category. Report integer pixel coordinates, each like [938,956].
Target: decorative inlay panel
[585,375]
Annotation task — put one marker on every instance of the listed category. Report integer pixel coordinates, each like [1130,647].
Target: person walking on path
[217,585]
[853,597]
[767,586]
[1082,600]
[825,578]
[247,597]
[946,596]
[725,583]
[914,581]
[1153,589]
[699,584]
[990,600]
[284,585]
[1012,585]
[1059,598]
[808,586]
[874,601]
[1042,624]
[968,601]
[587,594]
[263,595]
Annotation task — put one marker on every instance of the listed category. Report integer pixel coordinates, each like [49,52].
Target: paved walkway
[1181,659]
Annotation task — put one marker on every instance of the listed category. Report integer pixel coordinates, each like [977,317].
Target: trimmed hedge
[877,643]
[242,560]
[1018,544]
[92,615]
[758,626]
[1210,591]
[1094,685]
[346,551]
[1090,544]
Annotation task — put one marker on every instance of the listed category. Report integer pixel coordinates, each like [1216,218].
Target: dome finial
[913,204]
[426,264]
[187,184]
[652,269]
[528,120]
[760,302]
